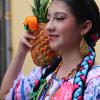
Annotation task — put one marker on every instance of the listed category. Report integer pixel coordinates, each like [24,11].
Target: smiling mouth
[52,37]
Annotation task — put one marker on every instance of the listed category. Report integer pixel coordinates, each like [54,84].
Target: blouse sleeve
[92,91]
[23,85]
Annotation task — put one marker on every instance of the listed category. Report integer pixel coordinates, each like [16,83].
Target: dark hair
[86,10]
[82,10]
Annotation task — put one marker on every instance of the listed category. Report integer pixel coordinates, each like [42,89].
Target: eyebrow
[57,13]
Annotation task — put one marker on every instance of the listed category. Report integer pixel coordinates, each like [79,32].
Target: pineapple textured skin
[41,52]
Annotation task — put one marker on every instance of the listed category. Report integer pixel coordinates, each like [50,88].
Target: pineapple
[41,52]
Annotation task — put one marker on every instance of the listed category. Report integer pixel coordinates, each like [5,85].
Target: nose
[50,27]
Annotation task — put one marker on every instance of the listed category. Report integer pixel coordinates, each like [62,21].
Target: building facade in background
[5,51]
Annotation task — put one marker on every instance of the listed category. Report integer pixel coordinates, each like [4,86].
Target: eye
[60,19]
[48,20]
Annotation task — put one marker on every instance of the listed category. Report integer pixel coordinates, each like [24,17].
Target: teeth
[53,36]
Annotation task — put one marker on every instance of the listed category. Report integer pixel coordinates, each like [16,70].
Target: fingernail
[30,46]
[33,37]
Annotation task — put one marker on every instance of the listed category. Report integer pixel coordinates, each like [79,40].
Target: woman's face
[62,29]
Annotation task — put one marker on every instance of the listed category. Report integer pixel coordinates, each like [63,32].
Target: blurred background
[12,16]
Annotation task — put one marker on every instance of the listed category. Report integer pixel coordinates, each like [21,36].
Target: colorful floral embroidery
[92,86]
[62,94]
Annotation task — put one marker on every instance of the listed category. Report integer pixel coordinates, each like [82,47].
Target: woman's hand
[24,45]
[16,64]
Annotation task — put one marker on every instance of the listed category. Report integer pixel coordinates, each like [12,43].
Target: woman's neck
[71,58]
[69,61]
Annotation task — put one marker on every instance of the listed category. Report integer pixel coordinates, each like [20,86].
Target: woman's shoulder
[92,91]
[35,71]
[94,73]
[95,67]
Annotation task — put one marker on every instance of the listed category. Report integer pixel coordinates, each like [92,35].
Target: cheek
[69,33]
[67,28]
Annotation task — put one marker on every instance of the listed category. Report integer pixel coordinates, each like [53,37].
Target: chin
[55,47]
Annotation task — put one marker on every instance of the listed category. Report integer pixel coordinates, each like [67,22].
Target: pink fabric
[95,37]
[62,94]
[36,83]
[16,90]
[81,68]
[75,86]
[90,62]
[80,98]
[83,77]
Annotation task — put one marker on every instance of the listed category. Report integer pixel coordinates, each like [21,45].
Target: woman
[73,27]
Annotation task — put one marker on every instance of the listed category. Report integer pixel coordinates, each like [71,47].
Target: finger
[26,35]
[24,41]
[29,31]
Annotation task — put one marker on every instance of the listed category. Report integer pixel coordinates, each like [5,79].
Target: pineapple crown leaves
[40,9]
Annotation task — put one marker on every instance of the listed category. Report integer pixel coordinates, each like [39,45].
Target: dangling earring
[59,53]
[84,48]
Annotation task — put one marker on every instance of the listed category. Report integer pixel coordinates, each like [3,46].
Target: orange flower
[31,22]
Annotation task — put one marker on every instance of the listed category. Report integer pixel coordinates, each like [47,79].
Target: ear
[85,27]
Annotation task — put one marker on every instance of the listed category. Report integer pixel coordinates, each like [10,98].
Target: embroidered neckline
[79,77]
